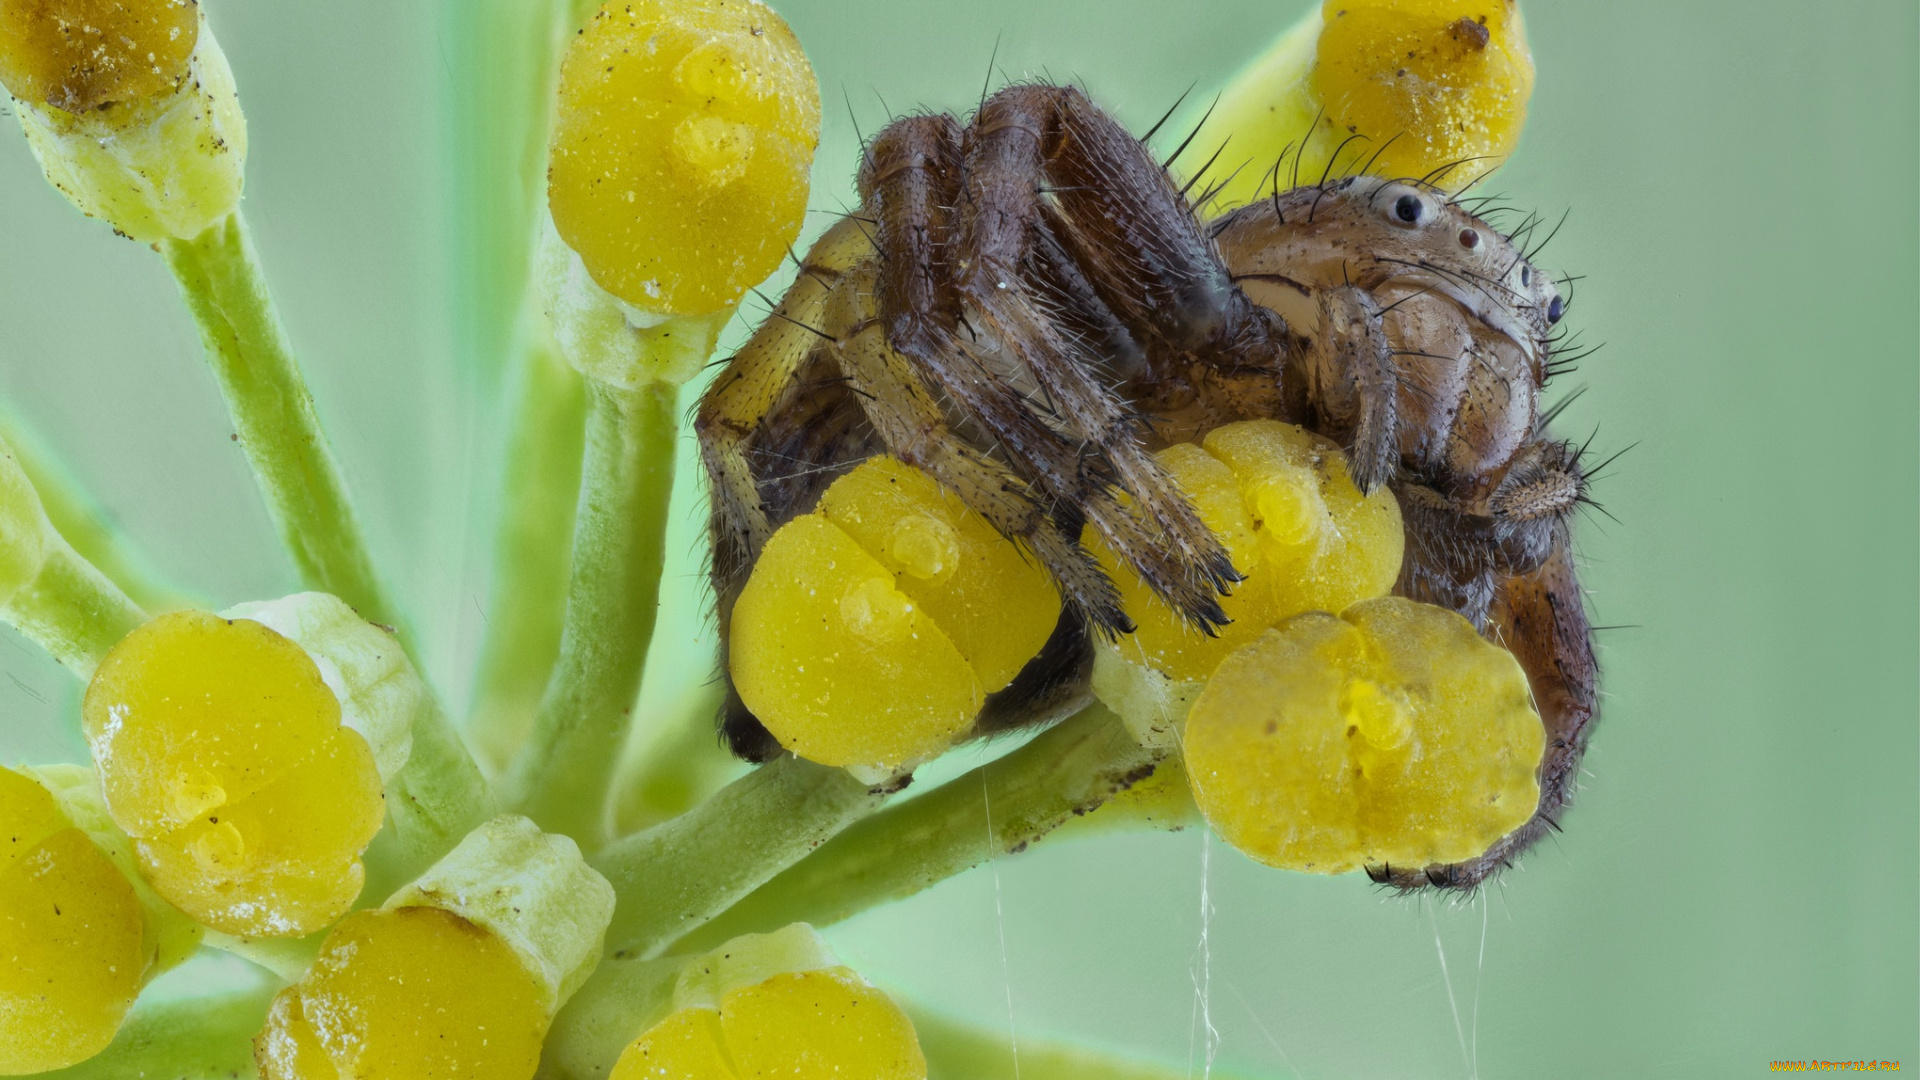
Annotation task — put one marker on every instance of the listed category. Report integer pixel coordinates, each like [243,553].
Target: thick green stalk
[71,610]
[435,799]
[679,874]
[77,515]
[997,809]
[613,596]
[273,416]
[961,1051]
[620,1001]
[532,548]
[200,1038]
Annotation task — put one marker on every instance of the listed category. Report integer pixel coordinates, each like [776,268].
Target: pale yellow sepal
[750,959]
[380,692]
[533,891]
[166,167]
[1150,703]
[609,340]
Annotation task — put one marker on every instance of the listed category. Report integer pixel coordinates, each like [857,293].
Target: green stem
[500,60]
[433,802]
[71,610]
[273,415]
[997,809]
[619,541]
[78,516]
[678,767]
[533,545]
[617,1003]
[960,1051]
[679,874]
[200,1038]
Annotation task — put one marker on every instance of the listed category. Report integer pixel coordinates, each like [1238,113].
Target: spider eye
[1526,275]
[1555,310]
[1407,208]
[1469,239]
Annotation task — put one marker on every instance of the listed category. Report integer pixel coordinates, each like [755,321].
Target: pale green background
[1738,882]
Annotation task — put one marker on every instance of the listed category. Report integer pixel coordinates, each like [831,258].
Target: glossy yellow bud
[775,1005]
[1394,88]
[221,752]
[77,55]
[1451,78]
[410,992]
[1390,734]
[72,935]
[151,138]
[1280,499]
[871,631]
[681,150]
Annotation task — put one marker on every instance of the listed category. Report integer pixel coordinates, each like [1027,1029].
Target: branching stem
[679,874]
[1067,771]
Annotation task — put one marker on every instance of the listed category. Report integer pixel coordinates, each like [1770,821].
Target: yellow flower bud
[410,992]
[72,931]
[1390,734]
[681,150]
[134,118]
[221,752]
[1280,498]
[871,630]
[78,55]
[1398,88]
[459,975]
[776,1005]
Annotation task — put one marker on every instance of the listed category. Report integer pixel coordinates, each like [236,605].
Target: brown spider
[1027,306]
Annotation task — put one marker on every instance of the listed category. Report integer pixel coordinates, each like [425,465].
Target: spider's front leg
[1351,376]
[1047,174]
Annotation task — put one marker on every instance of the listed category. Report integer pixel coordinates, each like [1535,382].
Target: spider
[1026,305]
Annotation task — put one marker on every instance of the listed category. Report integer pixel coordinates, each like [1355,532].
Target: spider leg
[908,182]
[1541,617]
[1449,557]
[909,420]
[1007,154]
[1358,382]
[1533,500]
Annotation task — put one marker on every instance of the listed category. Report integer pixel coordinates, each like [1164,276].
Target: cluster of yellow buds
[277,780]
[776,1004]
[872,629]
[1304,537]
[1388,733]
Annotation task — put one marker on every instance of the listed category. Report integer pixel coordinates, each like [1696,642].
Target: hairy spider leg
[1541,617]
[998,233]
[908,182]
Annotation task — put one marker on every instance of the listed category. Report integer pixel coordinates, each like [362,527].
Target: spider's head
[1394,238]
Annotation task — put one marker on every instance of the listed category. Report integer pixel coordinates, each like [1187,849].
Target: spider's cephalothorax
[1025,307]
